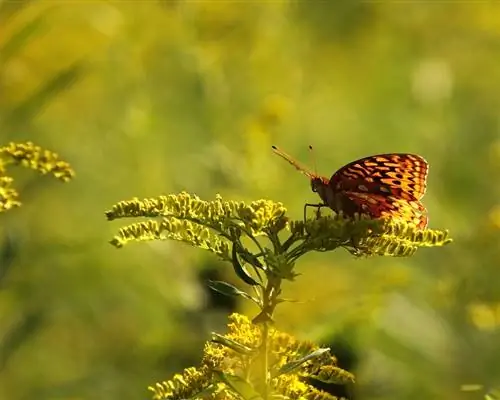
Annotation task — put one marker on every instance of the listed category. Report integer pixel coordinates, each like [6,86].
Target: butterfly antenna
[292,161]
[313,159]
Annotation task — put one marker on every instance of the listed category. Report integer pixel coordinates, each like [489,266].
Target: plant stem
[265,334]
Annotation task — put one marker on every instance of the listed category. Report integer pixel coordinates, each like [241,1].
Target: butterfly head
[321,185]
[318,184]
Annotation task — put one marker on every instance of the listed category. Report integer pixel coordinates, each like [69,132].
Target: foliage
[150,98]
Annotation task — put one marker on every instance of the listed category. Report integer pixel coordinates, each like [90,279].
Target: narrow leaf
[20,334]
[253,260]
[232,344]
[492,395]
[230,290]
[9,8]
[18,40]
[294,365]
[286,300]
[240,270]
[61,81]
[239,385]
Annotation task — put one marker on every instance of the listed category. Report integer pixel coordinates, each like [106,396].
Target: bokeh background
[153,97]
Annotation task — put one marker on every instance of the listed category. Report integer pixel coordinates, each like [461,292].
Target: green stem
[265,334]
[269,304]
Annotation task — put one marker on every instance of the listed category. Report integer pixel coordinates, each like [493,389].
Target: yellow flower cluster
[214,225]
[30,156]
[290,362]
[34,157]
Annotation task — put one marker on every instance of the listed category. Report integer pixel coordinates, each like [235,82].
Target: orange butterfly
[383,185]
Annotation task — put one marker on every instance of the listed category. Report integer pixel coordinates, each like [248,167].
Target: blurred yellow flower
[494,216]
[485,317]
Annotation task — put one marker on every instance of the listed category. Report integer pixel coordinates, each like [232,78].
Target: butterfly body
[383,185]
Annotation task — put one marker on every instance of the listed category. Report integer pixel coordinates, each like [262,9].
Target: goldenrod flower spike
[220,375]
[34,157]
[8,195]
[30,156]
[214,225]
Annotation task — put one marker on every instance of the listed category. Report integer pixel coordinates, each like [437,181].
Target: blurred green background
[155,97]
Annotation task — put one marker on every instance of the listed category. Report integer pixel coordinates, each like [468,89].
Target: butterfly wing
[381,206]
[401,175]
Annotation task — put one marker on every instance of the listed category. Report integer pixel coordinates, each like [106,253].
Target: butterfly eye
[314,185]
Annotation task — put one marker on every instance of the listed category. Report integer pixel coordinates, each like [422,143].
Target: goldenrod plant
[16,331]
[253,360]
[30,156]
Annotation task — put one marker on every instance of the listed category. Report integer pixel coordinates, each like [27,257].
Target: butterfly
[379,186]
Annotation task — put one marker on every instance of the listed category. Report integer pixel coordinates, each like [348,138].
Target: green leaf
[286,300]
[18,40]
[27,109]
[232,344]
[239,386]
[253,260]
[492,395]
[240,270]
[10,8]
[20,334]
[294,365]
[230,290]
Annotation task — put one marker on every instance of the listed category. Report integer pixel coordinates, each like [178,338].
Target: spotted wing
[401,175]
[381,206]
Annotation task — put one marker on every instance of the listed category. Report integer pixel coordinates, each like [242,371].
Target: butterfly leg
[318,209]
